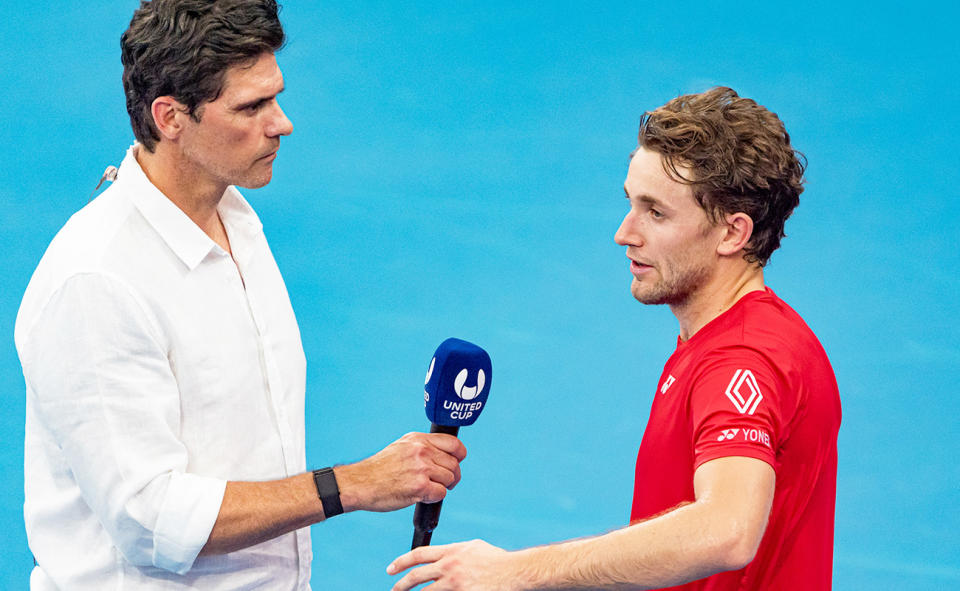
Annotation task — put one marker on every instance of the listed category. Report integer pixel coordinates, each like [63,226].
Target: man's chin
[255,182]
[651,296]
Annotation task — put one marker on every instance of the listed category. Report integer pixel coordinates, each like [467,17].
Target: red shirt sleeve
[735,406]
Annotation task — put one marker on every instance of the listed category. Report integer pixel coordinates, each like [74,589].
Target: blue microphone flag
[457,383]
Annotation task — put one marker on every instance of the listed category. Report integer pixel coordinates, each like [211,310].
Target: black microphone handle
[448,429]
[427,515]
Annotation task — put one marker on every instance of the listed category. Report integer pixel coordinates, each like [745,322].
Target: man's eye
[254,108]
[656,213]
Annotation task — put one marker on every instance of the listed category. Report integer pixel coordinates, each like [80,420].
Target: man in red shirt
[736,474]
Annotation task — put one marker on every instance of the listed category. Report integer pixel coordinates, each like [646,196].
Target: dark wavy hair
[183,48]
[740,158]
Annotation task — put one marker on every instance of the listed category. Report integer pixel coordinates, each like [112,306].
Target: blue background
[456,170]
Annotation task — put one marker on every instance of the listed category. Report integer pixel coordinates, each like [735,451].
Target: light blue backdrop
[456,170]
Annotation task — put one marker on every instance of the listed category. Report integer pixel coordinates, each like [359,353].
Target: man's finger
[445,471]
[418,576]
[448,444]
[447,461]
[434,493]
[442,476]
[421,555]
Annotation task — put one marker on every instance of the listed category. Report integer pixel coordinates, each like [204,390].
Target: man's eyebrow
[643,198]
[258,100]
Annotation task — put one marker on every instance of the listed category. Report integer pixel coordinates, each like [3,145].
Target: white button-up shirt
[157,368]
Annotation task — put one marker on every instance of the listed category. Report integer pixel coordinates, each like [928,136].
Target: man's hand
[418,467]
[467,566]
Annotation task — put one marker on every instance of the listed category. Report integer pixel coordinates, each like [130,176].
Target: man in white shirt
[164,369]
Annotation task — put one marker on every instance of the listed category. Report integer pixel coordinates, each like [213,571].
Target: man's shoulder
[763,327]
[771,320]
[83,240]
[82,246]
[763,317]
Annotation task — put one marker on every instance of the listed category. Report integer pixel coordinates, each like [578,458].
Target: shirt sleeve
[97,365]
[735,407]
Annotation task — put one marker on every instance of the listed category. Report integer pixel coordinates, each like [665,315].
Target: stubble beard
[255,181]
[683,278]
[253,175]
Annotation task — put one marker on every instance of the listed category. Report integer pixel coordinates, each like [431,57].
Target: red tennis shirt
[753,382]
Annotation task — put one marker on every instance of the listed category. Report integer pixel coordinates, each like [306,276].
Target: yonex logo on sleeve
[727,434]
[749,404]
[667,383]
[746,434]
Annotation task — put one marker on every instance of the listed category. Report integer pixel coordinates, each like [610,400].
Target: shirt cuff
[746,451]
[190,508]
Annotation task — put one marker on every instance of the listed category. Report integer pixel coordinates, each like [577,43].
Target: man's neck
[717,296]
[179,182]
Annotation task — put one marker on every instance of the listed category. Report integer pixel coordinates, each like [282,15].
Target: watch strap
[328,491]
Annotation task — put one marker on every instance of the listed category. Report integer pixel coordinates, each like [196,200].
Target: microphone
[454,392]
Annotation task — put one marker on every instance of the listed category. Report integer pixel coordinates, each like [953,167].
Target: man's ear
[168,116]
[738,231]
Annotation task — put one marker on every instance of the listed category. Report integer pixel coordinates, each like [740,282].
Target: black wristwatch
[328,491]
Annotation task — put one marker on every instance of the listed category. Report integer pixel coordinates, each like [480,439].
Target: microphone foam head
[457,383]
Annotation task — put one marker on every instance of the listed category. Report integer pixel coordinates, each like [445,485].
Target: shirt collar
[182,235]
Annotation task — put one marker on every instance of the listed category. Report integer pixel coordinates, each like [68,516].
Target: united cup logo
[744,378]
[468,392]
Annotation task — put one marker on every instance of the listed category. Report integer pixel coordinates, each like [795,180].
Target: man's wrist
[328,492]
[541,567]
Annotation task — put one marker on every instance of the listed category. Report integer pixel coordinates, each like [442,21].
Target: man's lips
[637,267]
[271,154]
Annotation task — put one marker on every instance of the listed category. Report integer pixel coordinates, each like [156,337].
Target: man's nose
[279,124]
[627,234]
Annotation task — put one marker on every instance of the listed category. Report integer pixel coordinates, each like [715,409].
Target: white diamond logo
[746,405]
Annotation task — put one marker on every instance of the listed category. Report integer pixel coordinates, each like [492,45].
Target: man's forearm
[417,467]
[720,531]
[683,545]
[254,512]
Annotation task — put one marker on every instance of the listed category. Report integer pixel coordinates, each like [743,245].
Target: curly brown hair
[183,48]
[740,157]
